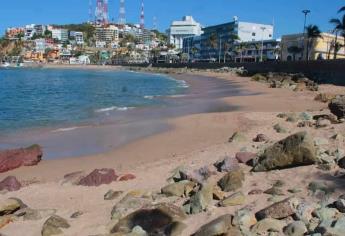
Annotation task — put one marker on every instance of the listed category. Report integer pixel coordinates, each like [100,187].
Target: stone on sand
[237,137]
[233,200]
[337,106]
[10,183]
[111,194]
[219,226]
[279,210]
[202,199]
[295,150]
[9,206]
[179,189]
[296,228]
[98,177]
[54,225]
[227,164]
[232,180]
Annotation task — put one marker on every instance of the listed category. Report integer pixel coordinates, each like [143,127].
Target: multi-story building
[13,33]
[40,45]
[40,29]
[253,51]
[217,41]
[77,36]
[294,47]
[107,34]
[60,34]
[29,31]
[179,30]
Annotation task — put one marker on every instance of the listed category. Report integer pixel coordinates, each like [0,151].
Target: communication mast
[101,13]
[142,16]
[122,13]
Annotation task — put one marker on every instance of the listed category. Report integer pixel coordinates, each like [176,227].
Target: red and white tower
[101,13]
[122,13]
[142,16]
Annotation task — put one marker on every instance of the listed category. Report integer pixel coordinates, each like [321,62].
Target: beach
[195,135]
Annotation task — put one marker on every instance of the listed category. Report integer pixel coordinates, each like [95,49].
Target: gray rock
[326,214]
[227,164]
[233,200]
[111,194]
[322,123]
[35,214]
[305,116]
[179,189]
[261,138]
[320,141]
[268,225]
[296,228]
[279,129]
[76,214]
[237,137]
[279,210]
[295,150]
[54,225]
[275,191]
[219,226]
[232,181]
[244,217]
[201,200]
[337,106]
[340,205]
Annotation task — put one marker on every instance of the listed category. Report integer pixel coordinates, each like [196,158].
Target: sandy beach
[193,138]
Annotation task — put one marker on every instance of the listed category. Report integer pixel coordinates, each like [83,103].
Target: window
[253,34]
[270,35]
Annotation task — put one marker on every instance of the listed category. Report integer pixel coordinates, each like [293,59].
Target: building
[40,45]
[77,36]
[107,34]
[294,47]
[216,42]
[14,33]
[60,34]
[252,51]
[40,29]
[179,30]
[29,31]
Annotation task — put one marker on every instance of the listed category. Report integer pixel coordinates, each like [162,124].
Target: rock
[338,137]
[295,150]
[237,137]
[322,123]
[99,177]
[72,178]
[275,191]
[128,204]
[111,194]
[305,123]
[292,117]
[219,226]
[232,181]
[337,106]
[326,214]
[15,158]
[279,210]
[305,116]
[268,225]
[255,192]
[330,117]
[340,205]
[179,189]
[34,214]
[332,228]
[279,129]
[244,217]
[341,163]
[9,206]
[226,165]
[316,186]
[233,200]
[218,194]
[245,157]
[160,219]
[10,183]
[324,97]
[202,199]
[53,225]
[260,138]
[198,176]
[76,214]
[304,212]
[296,228]
[138,231]
[127,177]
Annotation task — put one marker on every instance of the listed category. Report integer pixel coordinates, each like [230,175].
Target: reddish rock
[10,183]
[127,177]
[279,210]
[99,177]
[227,165]
[245,157]
[12,159]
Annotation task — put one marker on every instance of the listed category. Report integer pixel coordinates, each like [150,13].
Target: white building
[179,30]
[107,34]
[254,32]
[40,45]
[60,34]
[29,31]
[79,38]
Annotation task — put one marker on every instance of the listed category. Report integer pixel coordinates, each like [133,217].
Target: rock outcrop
[295,150]
[15,158]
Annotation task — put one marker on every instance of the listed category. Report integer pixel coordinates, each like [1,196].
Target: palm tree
[239,49]
[229,44]
[313,32]
[339,27]
[341,9]
[212,41]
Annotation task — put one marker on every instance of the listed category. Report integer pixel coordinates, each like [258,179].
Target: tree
[48,34]
[342,9]
[239,50]
[229,44]
[212,41]
[313,32]
[339,27]
[294,50]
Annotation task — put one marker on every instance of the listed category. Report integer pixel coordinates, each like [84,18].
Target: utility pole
[305,12]
[220,48]
[262,43]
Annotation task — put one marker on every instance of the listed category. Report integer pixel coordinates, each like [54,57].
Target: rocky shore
[280,171]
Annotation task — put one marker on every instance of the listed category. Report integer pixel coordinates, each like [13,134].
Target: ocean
[64,98]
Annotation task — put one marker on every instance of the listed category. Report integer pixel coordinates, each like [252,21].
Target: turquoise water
[36,98]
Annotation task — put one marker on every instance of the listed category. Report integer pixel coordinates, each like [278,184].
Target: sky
[285,14]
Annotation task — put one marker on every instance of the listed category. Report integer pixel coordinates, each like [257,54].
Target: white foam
[150,97]
[66,129]
[183,84]
[112,108]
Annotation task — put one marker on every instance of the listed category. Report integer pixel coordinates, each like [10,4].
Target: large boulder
[160,219]
[232,180]
[279,210]
[201,200]
[99,177]
[337,106]
[15,158]
[295,150]
[10,183]
[219,226]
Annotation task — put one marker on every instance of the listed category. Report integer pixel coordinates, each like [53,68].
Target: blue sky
[285,13]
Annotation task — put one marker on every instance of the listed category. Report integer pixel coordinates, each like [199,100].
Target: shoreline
[194,141]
